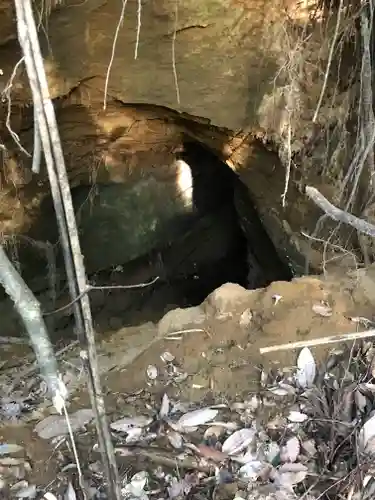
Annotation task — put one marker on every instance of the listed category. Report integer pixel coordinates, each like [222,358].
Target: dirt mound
[218,342]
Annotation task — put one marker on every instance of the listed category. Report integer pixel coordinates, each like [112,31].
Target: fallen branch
[162,457]
[29,310]
[332,339]
[339,215]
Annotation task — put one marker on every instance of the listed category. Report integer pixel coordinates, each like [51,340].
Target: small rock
[228,298]
[181,319]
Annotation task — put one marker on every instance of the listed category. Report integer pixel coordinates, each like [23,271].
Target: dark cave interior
[198,251]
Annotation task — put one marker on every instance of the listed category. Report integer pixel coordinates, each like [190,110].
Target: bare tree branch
[332,339]
[29,310]
[339,215]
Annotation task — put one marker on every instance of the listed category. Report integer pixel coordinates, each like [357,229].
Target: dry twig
[339,215]
[29,310]
[333,339]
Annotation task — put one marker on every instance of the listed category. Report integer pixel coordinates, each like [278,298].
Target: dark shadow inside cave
[219,248]
[203,245]
[264,264]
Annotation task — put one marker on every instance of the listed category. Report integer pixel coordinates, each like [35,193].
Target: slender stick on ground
[339,215]
[333,339]
[29,310]
[60,189]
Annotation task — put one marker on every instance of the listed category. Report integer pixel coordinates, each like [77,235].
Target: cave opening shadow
[221,247]
[251,259]
[218,246]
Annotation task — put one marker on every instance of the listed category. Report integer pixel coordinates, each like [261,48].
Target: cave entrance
[178,224]
[162,204]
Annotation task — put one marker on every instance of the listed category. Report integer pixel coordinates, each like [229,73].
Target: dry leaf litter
[318,442]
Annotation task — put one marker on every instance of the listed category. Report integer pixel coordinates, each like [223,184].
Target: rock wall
[223,53]
[225,68]
[221,60]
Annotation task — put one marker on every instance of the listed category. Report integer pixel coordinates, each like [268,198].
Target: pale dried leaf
[213,430]
[309,448]
[297,417]
[253,403]
[251,470]
[152,372]
[306,368]
[361,320]
[366,480]
[133,434]
[290,474]
[139,481]
[279,391]
[370,446]
[289,479]
[24,490]
[360,400]
[179,428]
[167,357]
[367,386]
[288,387]
[56,425]
[291,450]
[178,488]
[238,441]
[292,467]
[175,439]
[276,299]
[8,448]
[271,451]
[197,417]
[230,426]
[70,494]
[322,310]
[11,461]
[249,456]
[263,378]
[135,488]
[366,433]
[165,406]
[126,423]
